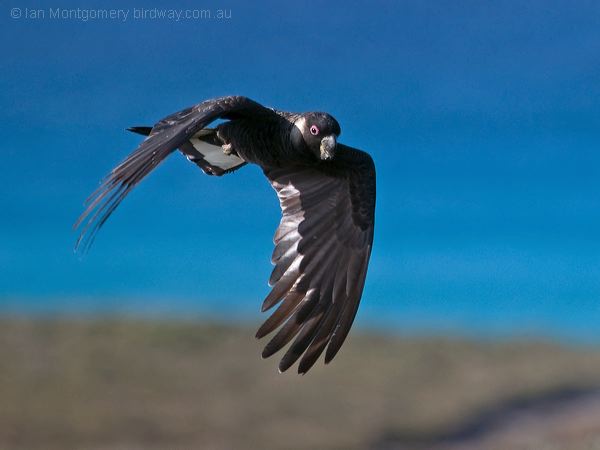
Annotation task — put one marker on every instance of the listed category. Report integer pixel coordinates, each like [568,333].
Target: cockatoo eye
[314,130]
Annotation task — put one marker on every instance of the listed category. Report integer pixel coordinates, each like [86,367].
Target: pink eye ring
[314,130]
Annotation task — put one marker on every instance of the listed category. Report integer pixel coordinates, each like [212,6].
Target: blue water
[483,121]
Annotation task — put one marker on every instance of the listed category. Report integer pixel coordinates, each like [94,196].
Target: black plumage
[327,195]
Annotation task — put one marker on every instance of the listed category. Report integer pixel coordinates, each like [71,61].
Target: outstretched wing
[165,137]
[322,249]
[205,150]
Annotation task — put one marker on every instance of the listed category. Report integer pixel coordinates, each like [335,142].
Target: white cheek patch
[301,124]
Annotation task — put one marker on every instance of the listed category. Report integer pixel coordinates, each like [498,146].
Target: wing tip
[329,358]
[267,352]
[331,352]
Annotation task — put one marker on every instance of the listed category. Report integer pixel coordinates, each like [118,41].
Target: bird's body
[266,142]
[327,196]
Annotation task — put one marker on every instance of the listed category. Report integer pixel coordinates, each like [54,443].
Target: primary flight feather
[327,195]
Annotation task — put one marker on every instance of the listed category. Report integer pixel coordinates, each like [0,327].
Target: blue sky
[482,117]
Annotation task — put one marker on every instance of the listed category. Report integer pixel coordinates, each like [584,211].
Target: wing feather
[290,328]
[322,249]
[165,137]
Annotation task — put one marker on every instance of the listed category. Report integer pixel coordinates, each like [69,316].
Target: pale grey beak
[328,144]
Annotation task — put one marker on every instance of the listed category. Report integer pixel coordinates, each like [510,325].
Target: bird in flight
[326,192]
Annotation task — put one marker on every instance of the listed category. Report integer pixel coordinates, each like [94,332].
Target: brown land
[141,384]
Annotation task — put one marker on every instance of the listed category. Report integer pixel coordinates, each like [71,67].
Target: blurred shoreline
[123,382]
[401,324]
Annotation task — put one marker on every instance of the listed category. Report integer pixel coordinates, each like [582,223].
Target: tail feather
[144,131]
